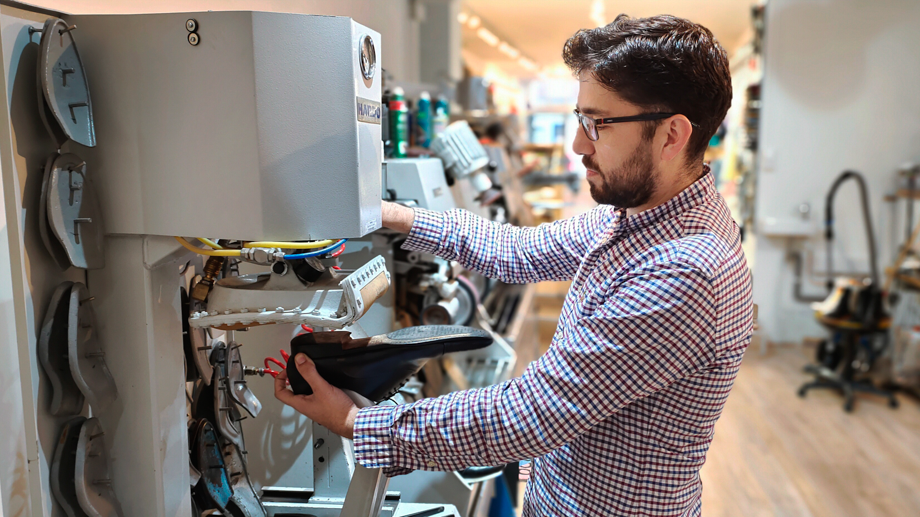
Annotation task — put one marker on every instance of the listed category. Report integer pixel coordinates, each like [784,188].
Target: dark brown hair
[662,63]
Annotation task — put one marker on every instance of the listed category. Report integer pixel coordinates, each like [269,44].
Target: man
[619,412]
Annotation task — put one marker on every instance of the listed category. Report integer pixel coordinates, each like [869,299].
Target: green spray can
[399,123]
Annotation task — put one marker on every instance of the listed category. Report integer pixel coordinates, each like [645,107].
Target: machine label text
[368,111]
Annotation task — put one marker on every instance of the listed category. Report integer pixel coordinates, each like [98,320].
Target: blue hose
[317,252]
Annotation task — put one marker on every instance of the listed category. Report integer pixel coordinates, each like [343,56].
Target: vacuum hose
[867,220]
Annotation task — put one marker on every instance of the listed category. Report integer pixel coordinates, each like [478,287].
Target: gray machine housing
[252,126]
[420,180]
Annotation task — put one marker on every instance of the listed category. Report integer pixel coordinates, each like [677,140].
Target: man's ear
[678,130]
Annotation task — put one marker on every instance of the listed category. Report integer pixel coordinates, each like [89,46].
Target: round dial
[368,57]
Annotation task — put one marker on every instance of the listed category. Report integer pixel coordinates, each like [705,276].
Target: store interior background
[820,86]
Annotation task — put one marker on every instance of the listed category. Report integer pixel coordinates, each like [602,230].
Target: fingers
[282,393]
[306,367]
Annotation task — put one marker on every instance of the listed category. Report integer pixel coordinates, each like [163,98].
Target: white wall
[841,91]
[391,18]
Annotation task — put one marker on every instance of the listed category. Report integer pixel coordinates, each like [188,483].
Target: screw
[191,25]
[193,39]
[319,443]
[68,29]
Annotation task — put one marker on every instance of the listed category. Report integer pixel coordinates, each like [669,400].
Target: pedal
[263,299]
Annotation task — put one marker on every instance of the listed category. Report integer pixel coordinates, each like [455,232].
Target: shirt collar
[691,197]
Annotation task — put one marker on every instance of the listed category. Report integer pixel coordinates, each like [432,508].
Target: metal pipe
[796,258]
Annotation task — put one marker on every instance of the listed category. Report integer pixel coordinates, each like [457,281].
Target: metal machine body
[220,128]
[238,130]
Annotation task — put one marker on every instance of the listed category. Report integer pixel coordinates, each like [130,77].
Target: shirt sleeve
[653,330]
[551,251]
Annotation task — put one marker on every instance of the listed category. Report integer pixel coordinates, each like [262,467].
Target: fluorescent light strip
[509,51]
[487,36]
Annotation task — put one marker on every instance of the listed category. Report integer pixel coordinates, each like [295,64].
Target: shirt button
[432,463]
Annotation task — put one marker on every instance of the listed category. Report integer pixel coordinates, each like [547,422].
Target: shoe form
[67,109]
[63,468]
[52,244]
[66,397]
[245,501]
[214,403]
[197,346]
[87,360]
[73,212]
[333,300]
[226,414]
[213,490]
[376,367]
[93,478]
[239,389]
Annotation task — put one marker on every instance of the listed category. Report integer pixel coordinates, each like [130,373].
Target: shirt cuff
[427,228]
[373,440]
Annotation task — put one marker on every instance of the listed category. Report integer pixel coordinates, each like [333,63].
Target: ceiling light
[474,22]
[462,18]
[487,36]
[528,64]
[598,13]
[508,50]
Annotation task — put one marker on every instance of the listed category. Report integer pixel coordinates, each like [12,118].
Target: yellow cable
[290,245]
[211,243]
[210,253]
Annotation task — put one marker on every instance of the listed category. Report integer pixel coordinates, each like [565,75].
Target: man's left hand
[327,406]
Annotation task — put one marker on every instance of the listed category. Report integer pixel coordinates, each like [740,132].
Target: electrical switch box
[239,125]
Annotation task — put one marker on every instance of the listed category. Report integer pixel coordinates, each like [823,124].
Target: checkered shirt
[619,412]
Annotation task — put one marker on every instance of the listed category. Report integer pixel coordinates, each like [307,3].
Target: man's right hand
[397,217]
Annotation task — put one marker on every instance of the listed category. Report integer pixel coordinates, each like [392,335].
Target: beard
[630,185]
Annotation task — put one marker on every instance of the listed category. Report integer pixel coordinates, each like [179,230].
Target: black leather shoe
[378,366]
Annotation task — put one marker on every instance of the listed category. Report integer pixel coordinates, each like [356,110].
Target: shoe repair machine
[146,158]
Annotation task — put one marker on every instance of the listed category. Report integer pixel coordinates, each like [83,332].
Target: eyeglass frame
[642,117]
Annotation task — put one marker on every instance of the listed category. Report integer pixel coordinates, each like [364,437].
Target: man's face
[621,168]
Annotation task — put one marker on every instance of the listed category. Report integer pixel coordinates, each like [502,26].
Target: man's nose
[582,145]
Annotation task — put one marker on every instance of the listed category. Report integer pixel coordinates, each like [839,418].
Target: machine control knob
[368,57]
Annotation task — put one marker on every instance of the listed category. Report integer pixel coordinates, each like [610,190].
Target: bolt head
[191,25]
[193,39]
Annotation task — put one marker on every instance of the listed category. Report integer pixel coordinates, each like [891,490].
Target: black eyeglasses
[590,124]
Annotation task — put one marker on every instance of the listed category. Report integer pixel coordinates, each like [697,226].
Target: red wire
[339,252]
[271,372]
[306,328]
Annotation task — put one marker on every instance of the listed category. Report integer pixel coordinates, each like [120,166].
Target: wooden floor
[775,454]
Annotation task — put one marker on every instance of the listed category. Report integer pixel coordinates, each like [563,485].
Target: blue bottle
[423,120]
